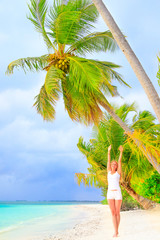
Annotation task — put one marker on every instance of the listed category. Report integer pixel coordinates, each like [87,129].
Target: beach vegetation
[150,187]
[135,167]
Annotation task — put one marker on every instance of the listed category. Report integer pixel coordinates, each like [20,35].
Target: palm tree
[66,31]
[83,83]
[131,57]
[134,164]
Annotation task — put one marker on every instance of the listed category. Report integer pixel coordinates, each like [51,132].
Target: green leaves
[45,103]
[84,86]
[94,42]
[107,68]
[150,187]
[53,78]
[87,179]
[84,75]
[108,132]
[38,10]
[143,120]
[70,22]
[65,27]
[81,106]
[65,24]
[125,109]
[28,64]
[49,94]
[92,75]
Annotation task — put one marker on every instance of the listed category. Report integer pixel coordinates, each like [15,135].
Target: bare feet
[116,235]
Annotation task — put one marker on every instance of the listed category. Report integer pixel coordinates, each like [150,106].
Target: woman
[114,194]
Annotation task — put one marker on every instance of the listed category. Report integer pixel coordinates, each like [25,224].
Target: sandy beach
[135,224]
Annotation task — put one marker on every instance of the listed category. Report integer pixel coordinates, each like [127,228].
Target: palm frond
[102,177]
[86,179]
[94,42]
[93,75]
[89,151]
[154,130]
[84,147]
[81,106]
[108,74]
[147,145]
[53,78]
[45,103]
[143,120]
[65,28]
[125,109]
[89,11]
[84,75]
[95,164]
[38,10]
[28,64]
[69,22]
[109,68]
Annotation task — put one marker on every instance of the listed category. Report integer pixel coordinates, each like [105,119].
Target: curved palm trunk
[144,202]
[149,156]
[131,57]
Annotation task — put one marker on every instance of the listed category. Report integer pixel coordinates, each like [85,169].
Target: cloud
[139,97]
[23,128]
[12,98]
[22,133]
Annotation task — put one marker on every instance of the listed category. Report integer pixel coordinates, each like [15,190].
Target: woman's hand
[109,148]
[121,148]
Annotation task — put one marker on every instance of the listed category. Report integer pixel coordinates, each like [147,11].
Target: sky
[38,159]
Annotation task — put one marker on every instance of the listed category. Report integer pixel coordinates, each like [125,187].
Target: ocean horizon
[43,201]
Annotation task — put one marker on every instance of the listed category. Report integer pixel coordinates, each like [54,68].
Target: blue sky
[38,159]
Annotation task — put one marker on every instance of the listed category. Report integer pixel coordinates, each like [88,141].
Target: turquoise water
[15,214]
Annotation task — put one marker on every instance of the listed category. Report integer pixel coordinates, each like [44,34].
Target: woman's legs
[112,206]
[118,207]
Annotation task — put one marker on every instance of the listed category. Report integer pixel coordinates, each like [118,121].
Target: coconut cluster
[60,62]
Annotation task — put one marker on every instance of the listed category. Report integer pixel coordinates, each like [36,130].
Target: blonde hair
[116,163]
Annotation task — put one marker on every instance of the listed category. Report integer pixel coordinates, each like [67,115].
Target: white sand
[134,225]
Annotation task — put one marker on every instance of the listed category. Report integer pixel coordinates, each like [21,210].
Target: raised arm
[119,160]
[109,159]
